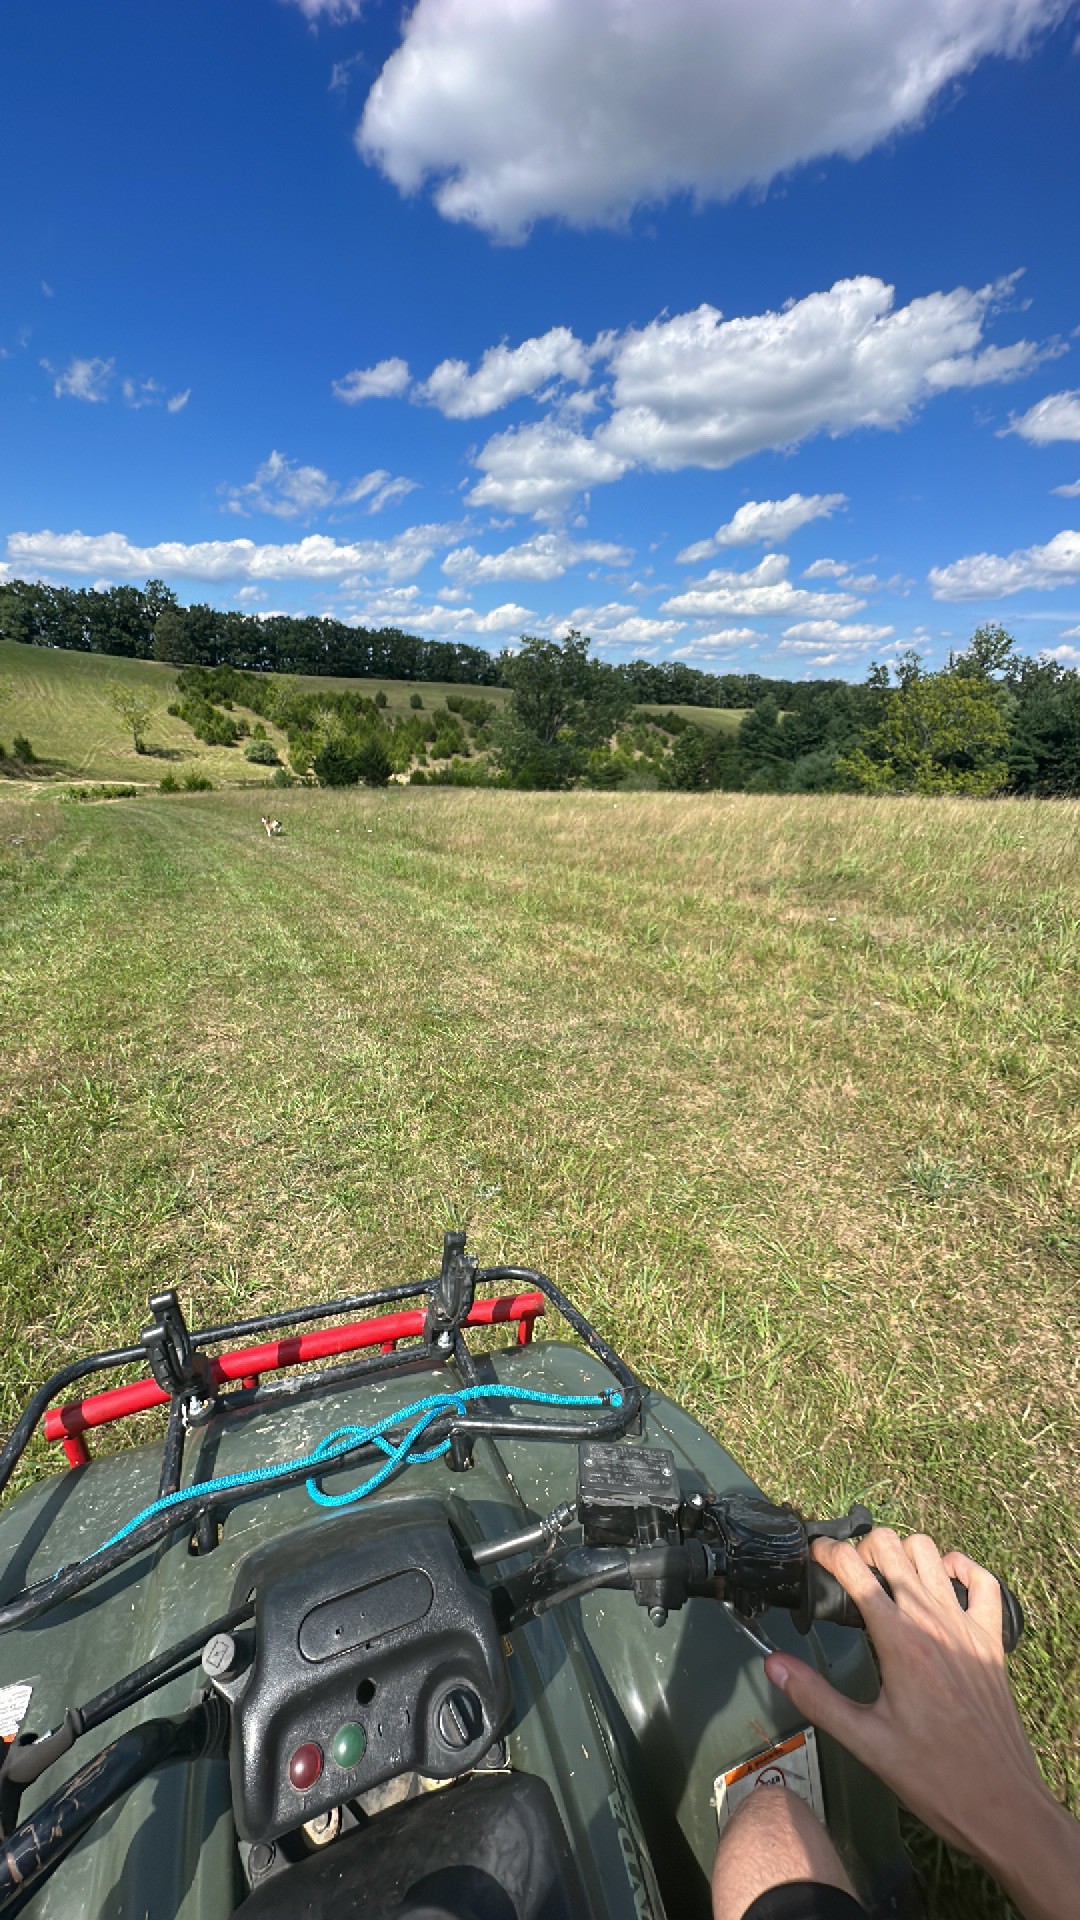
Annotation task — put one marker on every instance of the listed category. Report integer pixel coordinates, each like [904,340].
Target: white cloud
[764,589]
[826,569]
[379,488]
[442,622]
[538,469]
[94,379]
[316,557]
[616,625]
[504,374]
[1065,656]
[810,633]
[1071,633]
[332,11]
[547,556]
[981,576]
[584,112]
[342,71]
[83,379]
[141,393]
[699,390]
[1071,491]
[49,292]
[284,488]
[772,521]
[1057,417]
[714,646]
[386,380]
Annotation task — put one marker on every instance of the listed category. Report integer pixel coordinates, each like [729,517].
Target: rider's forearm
[1036,1856]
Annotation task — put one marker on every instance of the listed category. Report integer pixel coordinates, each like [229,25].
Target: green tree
[373,760]
[133,707]
[940,733]
[762,745]
[988,653]
[562,705]
[170,637]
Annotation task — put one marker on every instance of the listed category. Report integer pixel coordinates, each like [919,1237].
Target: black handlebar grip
[828,1600]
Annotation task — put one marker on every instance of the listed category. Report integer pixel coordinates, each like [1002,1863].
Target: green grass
[59,701]
[784,1090]
[713,719]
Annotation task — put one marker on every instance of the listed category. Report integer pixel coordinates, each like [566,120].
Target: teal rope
[399,1453]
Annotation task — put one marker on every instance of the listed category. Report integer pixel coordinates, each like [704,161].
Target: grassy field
[713,719]
[59,700]
[784,1090]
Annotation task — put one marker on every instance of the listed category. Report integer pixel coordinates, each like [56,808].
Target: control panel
[375,1655]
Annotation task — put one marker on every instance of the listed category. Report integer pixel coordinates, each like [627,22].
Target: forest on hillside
[990,721]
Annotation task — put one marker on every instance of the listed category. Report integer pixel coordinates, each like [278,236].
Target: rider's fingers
[857,1579]
[820,1702]
[884,1549]
[984,1595]
[930,1567]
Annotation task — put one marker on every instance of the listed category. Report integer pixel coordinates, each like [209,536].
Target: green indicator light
[350,1743]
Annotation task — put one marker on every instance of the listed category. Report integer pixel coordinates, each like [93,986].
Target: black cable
[30,1854]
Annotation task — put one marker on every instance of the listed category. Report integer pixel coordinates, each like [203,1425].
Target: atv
[396,1617]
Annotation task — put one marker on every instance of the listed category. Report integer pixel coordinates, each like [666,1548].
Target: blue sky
[747,334]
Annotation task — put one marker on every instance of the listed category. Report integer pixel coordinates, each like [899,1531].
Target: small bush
[380,698]
[168,783]
[416,702]
[261,752]
[258,731]
[197,783]
[283,779]
[99,792]
[22,750]
[373,761]
[175,709]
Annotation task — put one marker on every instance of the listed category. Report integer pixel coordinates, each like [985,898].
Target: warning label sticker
[14,1701]
[792,1764]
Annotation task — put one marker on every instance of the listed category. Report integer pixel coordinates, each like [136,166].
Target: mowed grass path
[783,1090]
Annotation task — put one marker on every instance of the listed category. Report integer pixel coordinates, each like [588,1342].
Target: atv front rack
[197,1387]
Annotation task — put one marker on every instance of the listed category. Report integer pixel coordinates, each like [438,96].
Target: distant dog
[272,827]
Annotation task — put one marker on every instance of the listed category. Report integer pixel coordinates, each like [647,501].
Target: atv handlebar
[664,1576]
[641,1533]
[827,1600]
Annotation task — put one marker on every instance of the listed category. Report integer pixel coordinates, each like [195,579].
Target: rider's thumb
[816,1699]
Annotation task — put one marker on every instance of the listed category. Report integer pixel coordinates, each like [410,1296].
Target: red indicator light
[305,1767]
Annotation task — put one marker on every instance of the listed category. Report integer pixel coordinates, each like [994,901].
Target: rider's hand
[944,1732]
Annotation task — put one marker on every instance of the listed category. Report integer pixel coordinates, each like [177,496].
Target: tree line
[989,721]
[148,623]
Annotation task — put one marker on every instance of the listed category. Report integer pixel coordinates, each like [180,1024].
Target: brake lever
[755,1633]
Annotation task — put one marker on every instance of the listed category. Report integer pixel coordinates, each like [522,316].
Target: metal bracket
[179,1368]
[453,1293]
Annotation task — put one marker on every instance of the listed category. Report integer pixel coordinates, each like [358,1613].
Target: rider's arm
[944,1732]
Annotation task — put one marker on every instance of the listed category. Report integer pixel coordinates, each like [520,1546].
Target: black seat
[492,1847]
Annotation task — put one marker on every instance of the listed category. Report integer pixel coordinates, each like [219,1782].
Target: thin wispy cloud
[289,490]
[96,381]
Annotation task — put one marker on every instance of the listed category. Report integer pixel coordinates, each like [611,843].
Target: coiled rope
[399,1453]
